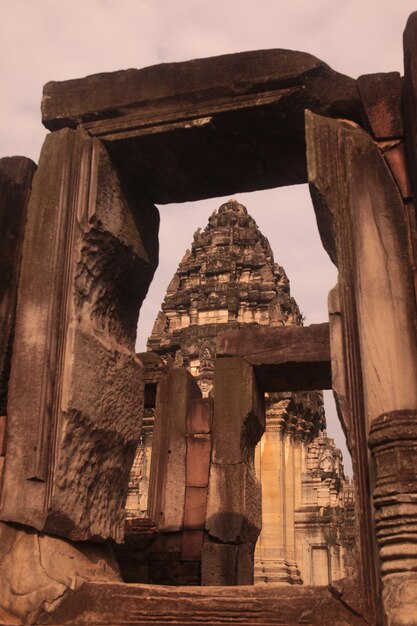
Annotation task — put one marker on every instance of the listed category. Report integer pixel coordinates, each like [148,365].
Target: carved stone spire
[228,277]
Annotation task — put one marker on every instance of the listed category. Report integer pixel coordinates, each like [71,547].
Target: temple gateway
[116,467]
[228,280]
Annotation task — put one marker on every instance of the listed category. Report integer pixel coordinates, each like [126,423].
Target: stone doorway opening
[286,217]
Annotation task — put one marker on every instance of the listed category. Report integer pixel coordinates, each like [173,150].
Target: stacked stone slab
[229,280]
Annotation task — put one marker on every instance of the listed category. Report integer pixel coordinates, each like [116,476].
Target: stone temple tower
[229,280]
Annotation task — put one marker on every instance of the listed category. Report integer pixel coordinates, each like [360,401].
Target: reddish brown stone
[16,175]
[1,468]
[200,415]
[410,95]
[397,161]
[198,460]
[381,99]
[145,605]
[195,508]
[218,564]
[287,358]
[3,419]
[251,105]
[192,544]
[244,569]
[167,542]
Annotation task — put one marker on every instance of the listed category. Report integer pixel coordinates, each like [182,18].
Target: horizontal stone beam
[206,127]
[286,358]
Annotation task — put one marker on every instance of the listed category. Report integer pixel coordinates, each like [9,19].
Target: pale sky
[43,40]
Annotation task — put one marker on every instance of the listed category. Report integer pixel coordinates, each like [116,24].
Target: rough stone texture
[361,217]
[16,174]
[199,416]
[234,510]
[290,358]
[168,470]
[3,419]
[75,389]
[239,412]
[198,459]
[229,274]
[139,605]
[410,94]
[195,508]
[381,96]
[244,567]
[393,441]
[37,571]
[218,564]
[192,545]
[246,108]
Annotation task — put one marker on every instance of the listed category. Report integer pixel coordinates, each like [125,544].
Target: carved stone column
[271,563]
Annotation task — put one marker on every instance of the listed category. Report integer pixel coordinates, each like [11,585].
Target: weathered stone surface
[168,470]
[75,389]
[218,565]
[410,95]
[37,571]
[200,415]
[16,174]
[192,545]
[397,162]
[360,211]
[381,96]
[3,419]
[195,508]
[249,105]
[284,358]
[245,564]
[234,509]
[140,605]
[239,412]
[198,460]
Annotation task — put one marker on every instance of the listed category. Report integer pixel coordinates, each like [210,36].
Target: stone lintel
[285,358]
[250,105]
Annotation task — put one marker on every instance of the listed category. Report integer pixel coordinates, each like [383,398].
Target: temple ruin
[80,247]
[228,280]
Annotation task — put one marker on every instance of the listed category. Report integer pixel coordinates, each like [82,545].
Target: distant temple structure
[229,280]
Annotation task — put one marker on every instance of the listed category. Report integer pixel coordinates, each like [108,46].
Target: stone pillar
[234,499]
[75,387]
[362,220]
[270,554]
[16,174]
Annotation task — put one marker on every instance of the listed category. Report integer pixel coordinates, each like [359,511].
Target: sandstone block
[16,174]
[192,544]
[244,566]
[198,460]
[3,420]
[75,390]
[37,571]
[195,508]
[168,464]
[234,503]
[239,411]
[381,96]
[218,564]
[200,415]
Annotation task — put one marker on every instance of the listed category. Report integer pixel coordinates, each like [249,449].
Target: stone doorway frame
[255,103]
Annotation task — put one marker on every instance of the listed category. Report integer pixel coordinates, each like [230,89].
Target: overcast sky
[43,40]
